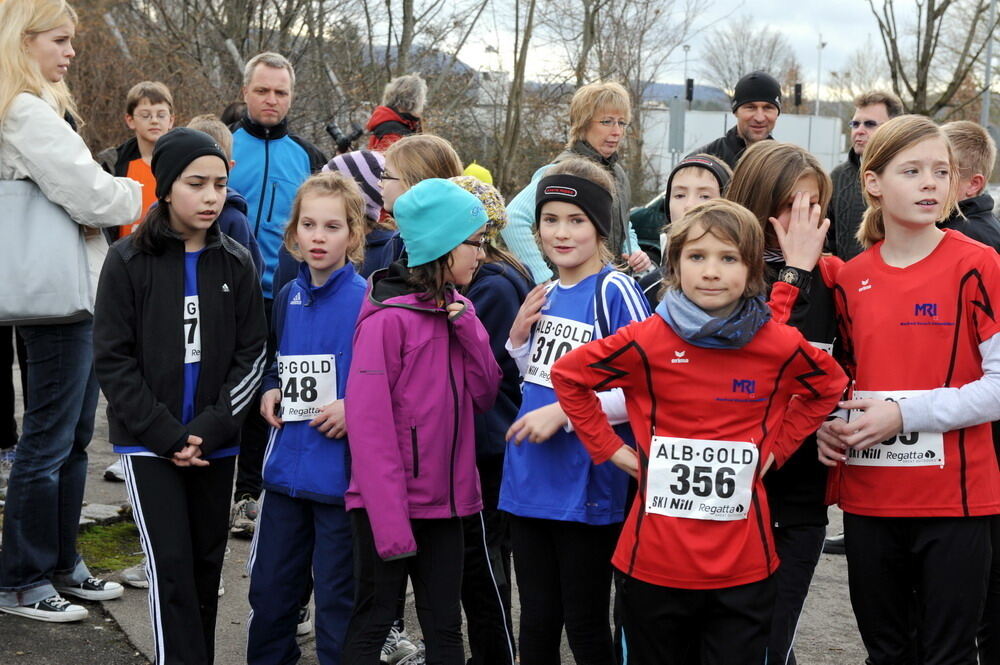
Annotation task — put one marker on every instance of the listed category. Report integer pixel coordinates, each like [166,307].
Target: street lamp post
[819,70]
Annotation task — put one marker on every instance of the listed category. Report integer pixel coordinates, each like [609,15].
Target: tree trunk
[512,124]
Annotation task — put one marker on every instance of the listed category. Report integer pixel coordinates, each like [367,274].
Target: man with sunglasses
[847,206]
[756,105]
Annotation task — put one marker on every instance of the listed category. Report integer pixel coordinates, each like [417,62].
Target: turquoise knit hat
[434,217]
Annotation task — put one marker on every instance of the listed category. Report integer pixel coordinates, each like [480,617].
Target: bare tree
[743,46]
[512,121]
[864,70]
[932,59]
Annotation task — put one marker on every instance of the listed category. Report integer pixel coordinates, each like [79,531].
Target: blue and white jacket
[316,322]
[270,166]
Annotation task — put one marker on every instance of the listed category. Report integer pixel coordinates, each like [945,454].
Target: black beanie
[175,150]
[757,87]
[586,195]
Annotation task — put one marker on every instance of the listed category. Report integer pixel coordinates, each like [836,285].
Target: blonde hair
[765,179]
[972,147]
[588,170]
[729,222]
[154,92]
[418,157]
[889,140]
[20,21]
[592,99]
[272,60]
[212,126]
[335,184]
[406,94]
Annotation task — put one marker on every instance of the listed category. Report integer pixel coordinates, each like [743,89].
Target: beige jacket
[36,143]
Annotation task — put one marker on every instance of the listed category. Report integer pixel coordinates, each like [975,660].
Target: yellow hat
[478,172]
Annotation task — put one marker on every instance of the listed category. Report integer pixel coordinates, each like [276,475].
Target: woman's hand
[269,403]
[802,243]
[638,261]
[530,312]
[538,425]
[331,421]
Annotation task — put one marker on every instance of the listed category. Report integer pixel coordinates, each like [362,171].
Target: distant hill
[664,92]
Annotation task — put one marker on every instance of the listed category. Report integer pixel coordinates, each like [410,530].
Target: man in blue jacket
[271,163]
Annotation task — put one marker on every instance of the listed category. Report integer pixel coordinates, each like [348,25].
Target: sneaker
[398,649]
[222,588]
[93,589]
[243,517]
[55,609]
[834,545]
[115,473]
[304,626]
[136,576]
[6,464]
[418,657]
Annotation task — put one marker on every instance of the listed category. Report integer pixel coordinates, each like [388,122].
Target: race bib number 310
[308,383]
[903,450]
[554,337]
[702,480]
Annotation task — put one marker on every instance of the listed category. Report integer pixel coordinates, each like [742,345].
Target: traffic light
[689,90]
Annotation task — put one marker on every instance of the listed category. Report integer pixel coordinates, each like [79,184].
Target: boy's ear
[130,121]
[975,186]
[871,184]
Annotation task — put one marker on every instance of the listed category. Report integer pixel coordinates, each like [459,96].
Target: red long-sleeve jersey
[915,329]
[705,420]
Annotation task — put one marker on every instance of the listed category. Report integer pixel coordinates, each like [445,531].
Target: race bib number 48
[308,383]
[554,337]
[698,479]
[903,450]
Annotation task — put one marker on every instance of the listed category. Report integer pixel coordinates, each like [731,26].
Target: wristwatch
[794,276]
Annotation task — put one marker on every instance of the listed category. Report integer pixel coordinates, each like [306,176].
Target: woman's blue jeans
[45,489]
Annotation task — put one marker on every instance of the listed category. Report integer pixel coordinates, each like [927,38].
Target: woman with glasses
[599,116]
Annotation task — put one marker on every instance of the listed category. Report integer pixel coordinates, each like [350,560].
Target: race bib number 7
[308,383]
[902,450]
[554,337]
[699,479]
[192,330]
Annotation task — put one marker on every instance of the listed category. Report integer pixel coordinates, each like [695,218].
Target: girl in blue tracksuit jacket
[303,531]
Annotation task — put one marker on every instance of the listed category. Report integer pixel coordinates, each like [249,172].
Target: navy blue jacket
[383,247]
[497,292]
[233,222]
[301,461]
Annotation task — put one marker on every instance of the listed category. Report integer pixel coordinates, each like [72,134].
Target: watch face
[789,276]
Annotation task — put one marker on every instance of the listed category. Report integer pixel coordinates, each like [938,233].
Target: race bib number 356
[308,383]
[554,337]
[698,479]
[903,450]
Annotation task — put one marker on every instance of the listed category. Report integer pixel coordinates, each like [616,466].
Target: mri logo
[747,386]
[925,309]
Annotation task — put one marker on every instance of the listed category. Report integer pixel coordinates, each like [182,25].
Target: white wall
[823,136]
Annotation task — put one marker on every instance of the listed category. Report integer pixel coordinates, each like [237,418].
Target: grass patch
[110,547]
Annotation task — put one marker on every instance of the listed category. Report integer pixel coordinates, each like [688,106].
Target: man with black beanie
[756,105]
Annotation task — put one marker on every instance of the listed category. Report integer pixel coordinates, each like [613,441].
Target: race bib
[308,383]
[554,337]
[824,347]
[701,480]
[903,450]
[192,330]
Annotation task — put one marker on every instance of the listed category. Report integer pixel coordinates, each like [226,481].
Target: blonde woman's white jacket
[38,144]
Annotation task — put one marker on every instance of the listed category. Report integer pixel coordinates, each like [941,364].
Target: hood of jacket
[236,200]
[383,114]
[391,288]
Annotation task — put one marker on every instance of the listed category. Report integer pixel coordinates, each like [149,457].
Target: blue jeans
[45,490]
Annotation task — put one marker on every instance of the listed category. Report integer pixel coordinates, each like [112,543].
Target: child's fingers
[193,440]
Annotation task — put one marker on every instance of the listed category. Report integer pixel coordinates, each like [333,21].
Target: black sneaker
[54,609]
[834,545]
[93,589]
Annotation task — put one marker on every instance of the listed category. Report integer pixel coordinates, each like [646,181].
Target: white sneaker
[398,648]
[222,588]
[136,576]
[304,625]
[93,589]
[115,473]
[55,609]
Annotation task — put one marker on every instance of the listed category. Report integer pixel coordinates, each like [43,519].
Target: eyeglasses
[612,123]
[162,115]
[478,244]
[869,124]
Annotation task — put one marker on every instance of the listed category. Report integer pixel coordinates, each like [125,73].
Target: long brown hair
[421,156]
[889,140]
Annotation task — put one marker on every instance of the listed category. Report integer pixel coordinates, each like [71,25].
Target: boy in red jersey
[716,392]
[914,467]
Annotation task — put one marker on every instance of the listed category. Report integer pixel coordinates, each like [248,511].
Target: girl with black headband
[179,335]
[566,511]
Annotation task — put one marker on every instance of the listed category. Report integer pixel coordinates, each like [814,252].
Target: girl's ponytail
[872,227]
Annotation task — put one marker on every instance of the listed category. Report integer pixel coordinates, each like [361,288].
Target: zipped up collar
[259,131]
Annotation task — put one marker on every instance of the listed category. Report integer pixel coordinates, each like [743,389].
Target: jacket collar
[977,205]
[259,131]
[332,284]
[582,148]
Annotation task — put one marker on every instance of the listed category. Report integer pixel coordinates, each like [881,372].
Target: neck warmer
[697,327]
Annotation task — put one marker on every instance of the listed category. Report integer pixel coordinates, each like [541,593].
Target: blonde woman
[599,116]
[39,559]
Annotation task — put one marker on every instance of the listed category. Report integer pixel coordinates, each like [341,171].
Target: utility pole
[984,117]
[819,69]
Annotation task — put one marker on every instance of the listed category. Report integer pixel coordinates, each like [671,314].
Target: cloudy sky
[844,24]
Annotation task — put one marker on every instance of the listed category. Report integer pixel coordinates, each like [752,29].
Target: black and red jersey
[912,329]
[770,394]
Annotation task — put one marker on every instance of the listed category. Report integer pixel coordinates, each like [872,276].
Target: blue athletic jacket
[270,166]
[309,320]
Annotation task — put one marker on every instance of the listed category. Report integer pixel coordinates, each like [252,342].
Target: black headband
[709,164]
[586,195]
